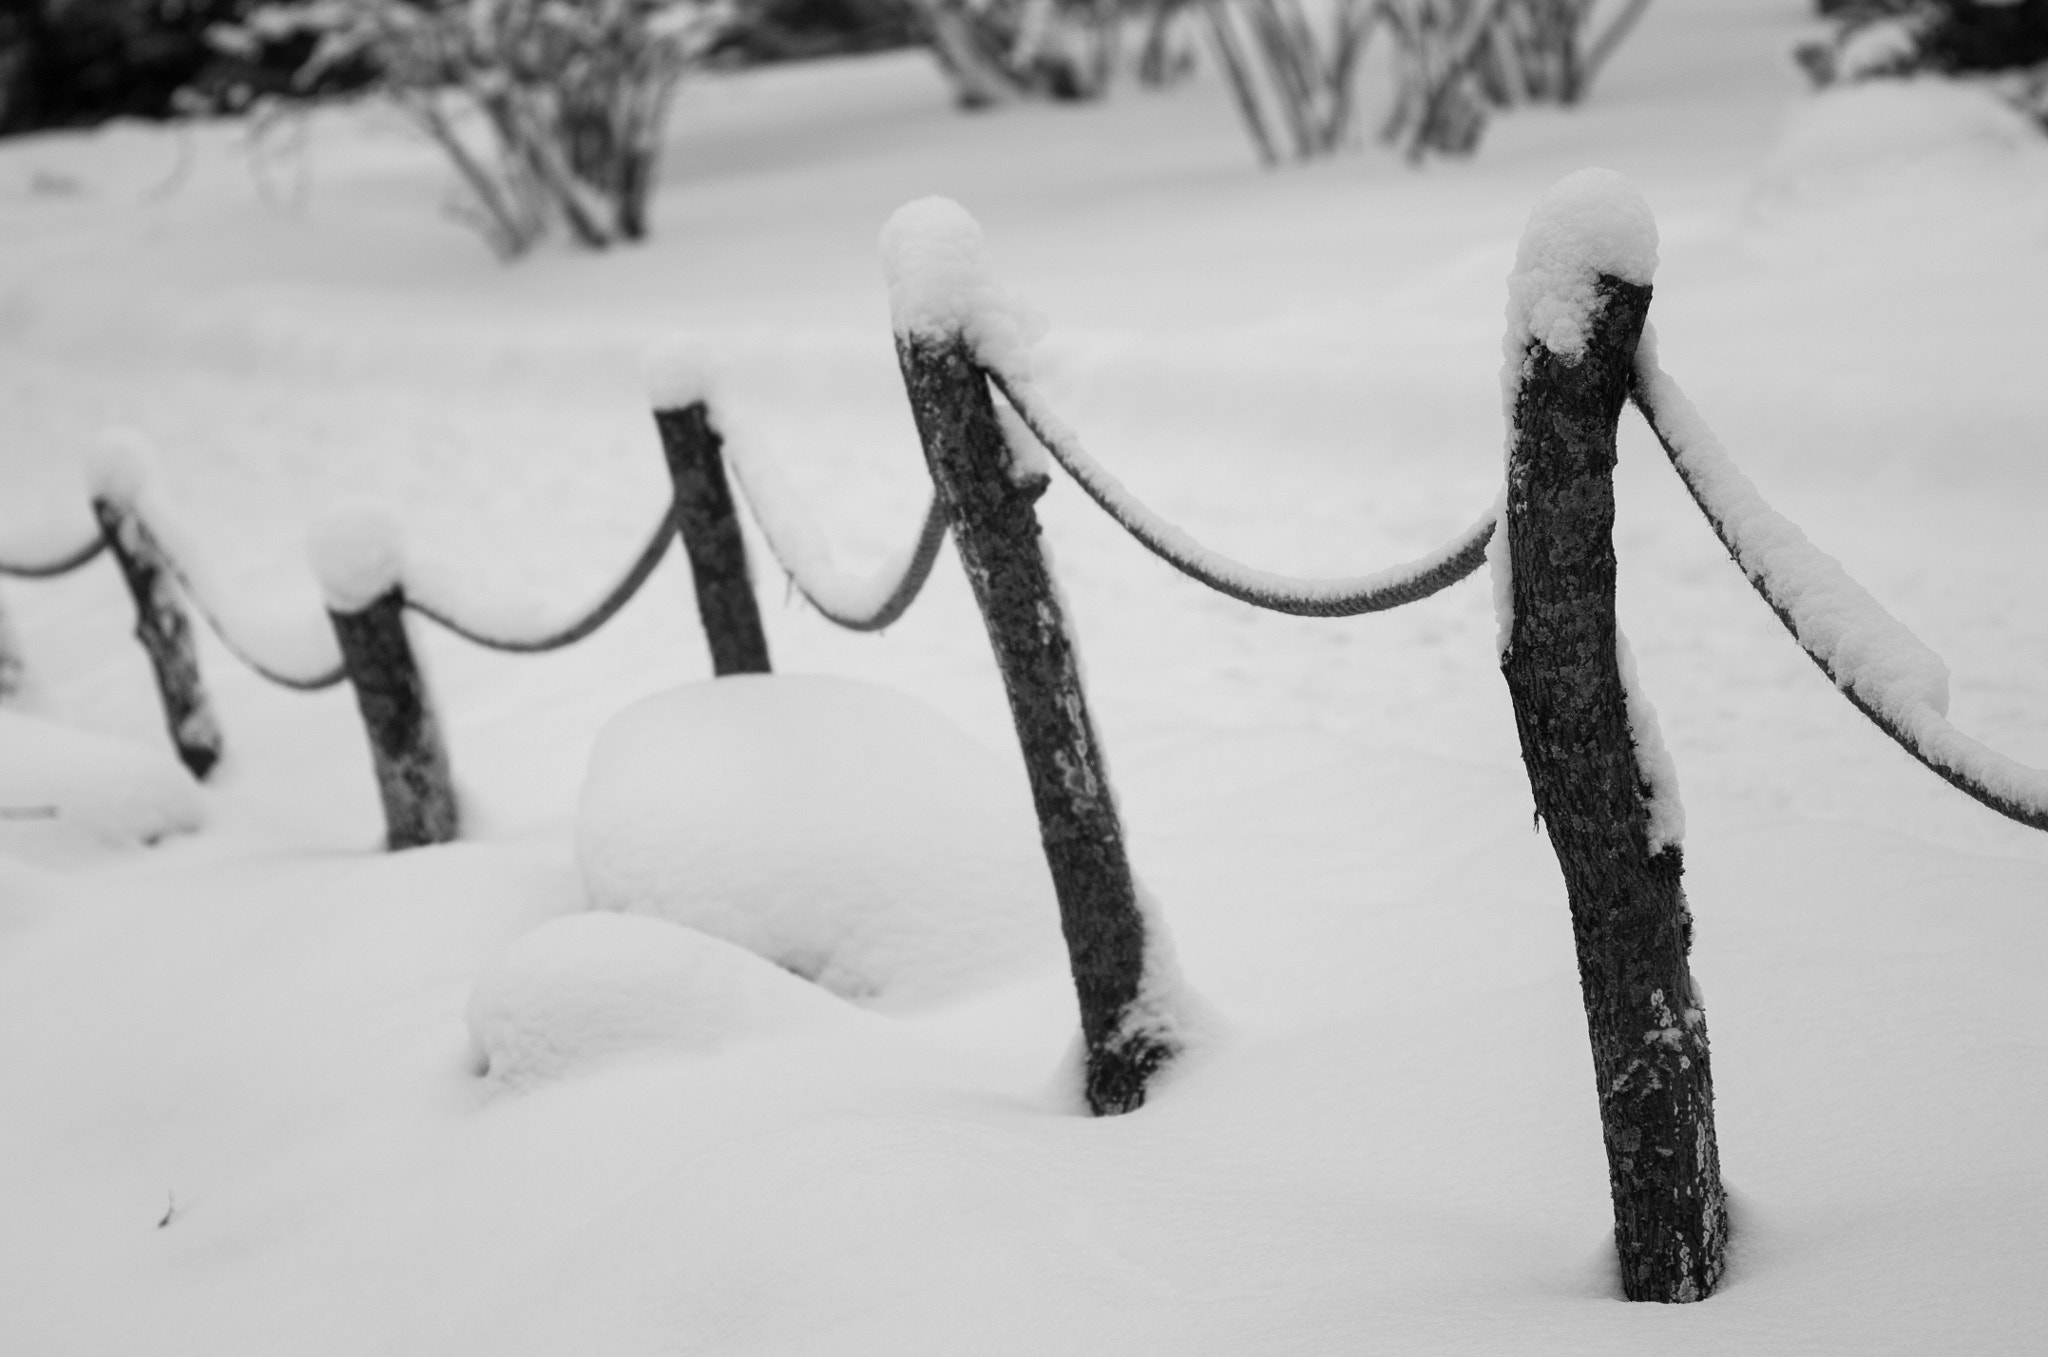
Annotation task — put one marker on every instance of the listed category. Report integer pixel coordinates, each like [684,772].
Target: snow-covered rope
[567,633]
[793,537]
[1339,597]
[686,370]
[1882,668]
[940,286]
[63,565]
[121,468]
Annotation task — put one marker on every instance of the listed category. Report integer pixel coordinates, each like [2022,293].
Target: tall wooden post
[997,531]
[165,633]
[709,525]
[1629,916]
[411,763]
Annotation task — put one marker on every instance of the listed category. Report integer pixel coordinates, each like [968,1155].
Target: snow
[1589,223]
[841,830]
[682,370]
[1653,758]
[936,265]
[1390,1143]
[65,792]
[587,990]
[358,555]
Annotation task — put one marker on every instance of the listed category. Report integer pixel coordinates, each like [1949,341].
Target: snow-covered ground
[242,1108]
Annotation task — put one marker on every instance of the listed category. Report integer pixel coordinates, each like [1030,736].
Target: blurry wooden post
[708,523]
[996,527]
[405,738]
[165,633]
[11,665]
[1629,916]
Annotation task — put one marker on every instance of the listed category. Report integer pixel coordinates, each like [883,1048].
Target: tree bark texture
[405,738]
[1629,916]
[166,636]
[709,525]
[996,528]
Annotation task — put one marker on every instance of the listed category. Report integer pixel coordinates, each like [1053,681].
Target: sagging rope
[63,565]
[801,550]
[1870,657]
[596,616]
[1341,597]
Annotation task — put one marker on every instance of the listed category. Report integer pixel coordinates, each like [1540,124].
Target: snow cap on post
[1586,224]
[358,556]
[940,283]
[681,370]
[120,466]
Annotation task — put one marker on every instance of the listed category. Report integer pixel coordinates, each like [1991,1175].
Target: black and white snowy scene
[1023,677]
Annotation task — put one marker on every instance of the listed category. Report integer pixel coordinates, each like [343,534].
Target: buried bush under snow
[842,830]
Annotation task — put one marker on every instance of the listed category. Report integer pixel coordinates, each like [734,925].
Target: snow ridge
[1886,671]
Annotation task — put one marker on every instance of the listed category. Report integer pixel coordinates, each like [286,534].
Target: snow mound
[840,829]
[65,791]
[579,991]
[1911,143]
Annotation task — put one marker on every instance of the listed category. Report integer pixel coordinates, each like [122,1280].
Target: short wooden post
[165,633]
[358,556]
[1629,916]
[996,528]
[405,738]
[708,522]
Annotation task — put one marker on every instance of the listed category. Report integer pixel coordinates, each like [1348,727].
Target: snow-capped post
[951,323]
[706,518]
[119,471]
[1602,782]
[357,556]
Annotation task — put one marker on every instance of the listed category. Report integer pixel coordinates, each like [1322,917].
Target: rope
[1344,597]
[1915,724]
[805,557]
[915,572]
[601,613]
[63,565]
[188,580]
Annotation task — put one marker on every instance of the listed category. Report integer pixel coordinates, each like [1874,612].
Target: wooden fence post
[1629,916]
[996,529]
[12,666]
[413,780]
[165,633]
[708,523]
[358,558]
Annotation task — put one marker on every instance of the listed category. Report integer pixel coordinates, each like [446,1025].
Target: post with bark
[708,522]
[164,631]
[411,763]
[357,557]
[990,507]
[1628,908]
